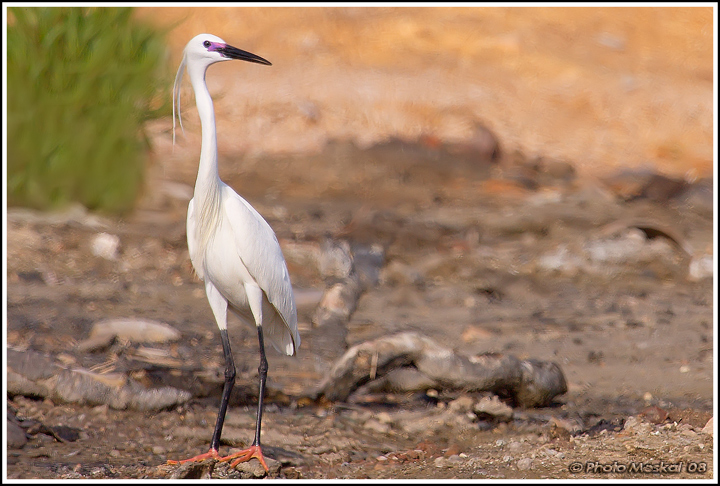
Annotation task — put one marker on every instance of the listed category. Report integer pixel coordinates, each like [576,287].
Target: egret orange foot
[211,454]
[246,455]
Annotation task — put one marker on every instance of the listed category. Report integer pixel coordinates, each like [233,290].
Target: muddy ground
[507,249]
[560,272]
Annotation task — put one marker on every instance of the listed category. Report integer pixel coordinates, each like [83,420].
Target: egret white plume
[176,95]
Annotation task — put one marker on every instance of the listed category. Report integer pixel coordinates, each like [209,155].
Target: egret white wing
[260,252]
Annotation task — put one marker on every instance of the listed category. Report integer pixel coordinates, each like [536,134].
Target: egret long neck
[208,171]
[207,199]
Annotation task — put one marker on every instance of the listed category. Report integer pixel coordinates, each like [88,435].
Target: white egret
[233,249]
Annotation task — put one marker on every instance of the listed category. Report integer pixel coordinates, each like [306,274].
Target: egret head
[202,51]
[206,49]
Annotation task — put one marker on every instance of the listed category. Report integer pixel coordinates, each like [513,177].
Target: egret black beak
[235,53]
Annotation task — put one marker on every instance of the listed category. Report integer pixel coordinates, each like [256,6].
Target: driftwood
[348,272]
[409,361]
[651,229]
[530,383]
[31,373]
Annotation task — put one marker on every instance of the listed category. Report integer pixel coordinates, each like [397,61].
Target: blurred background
[600,88]
[532,182]
[603,87]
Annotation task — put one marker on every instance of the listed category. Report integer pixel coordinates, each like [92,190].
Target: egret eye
[207,43]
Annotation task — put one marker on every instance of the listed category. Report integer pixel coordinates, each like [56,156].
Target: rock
[61,433]
[193,470]
[603,425]
[661,188]
[651,230]
[454,459]
[524,464]
[453,450]
[476,333]
[494,407]
[554,453]
[628,183]
[654,414]
[398,273]
[384,418]
[338,301]
[632,184]
[96,343]
[367,263]
[709,427]
[701,267]
[562,260]
[423,423]
[462,404]
[570,426]
[16,438]
[73,213]
[619,247]
[377,426]
[636,425]
[105,245]
[698,197]
[336,259]
[541,382]
[30,373]
[134,330]
[624,249]
[251,469]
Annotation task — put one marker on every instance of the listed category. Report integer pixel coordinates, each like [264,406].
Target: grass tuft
[81,83]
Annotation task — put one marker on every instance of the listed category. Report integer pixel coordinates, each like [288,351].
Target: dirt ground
[368,129]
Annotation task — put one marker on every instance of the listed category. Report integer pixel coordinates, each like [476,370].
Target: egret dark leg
[254,450]
[227,389]
[262,371]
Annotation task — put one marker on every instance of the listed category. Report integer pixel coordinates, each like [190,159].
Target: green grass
[81,83]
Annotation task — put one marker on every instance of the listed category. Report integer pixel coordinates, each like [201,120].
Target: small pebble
[515,446]
[524,464]
[454,459]
[709,427]
[105,246]
[16,437]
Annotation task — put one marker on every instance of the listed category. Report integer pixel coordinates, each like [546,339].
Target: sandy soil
[537,252]
[605,88]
